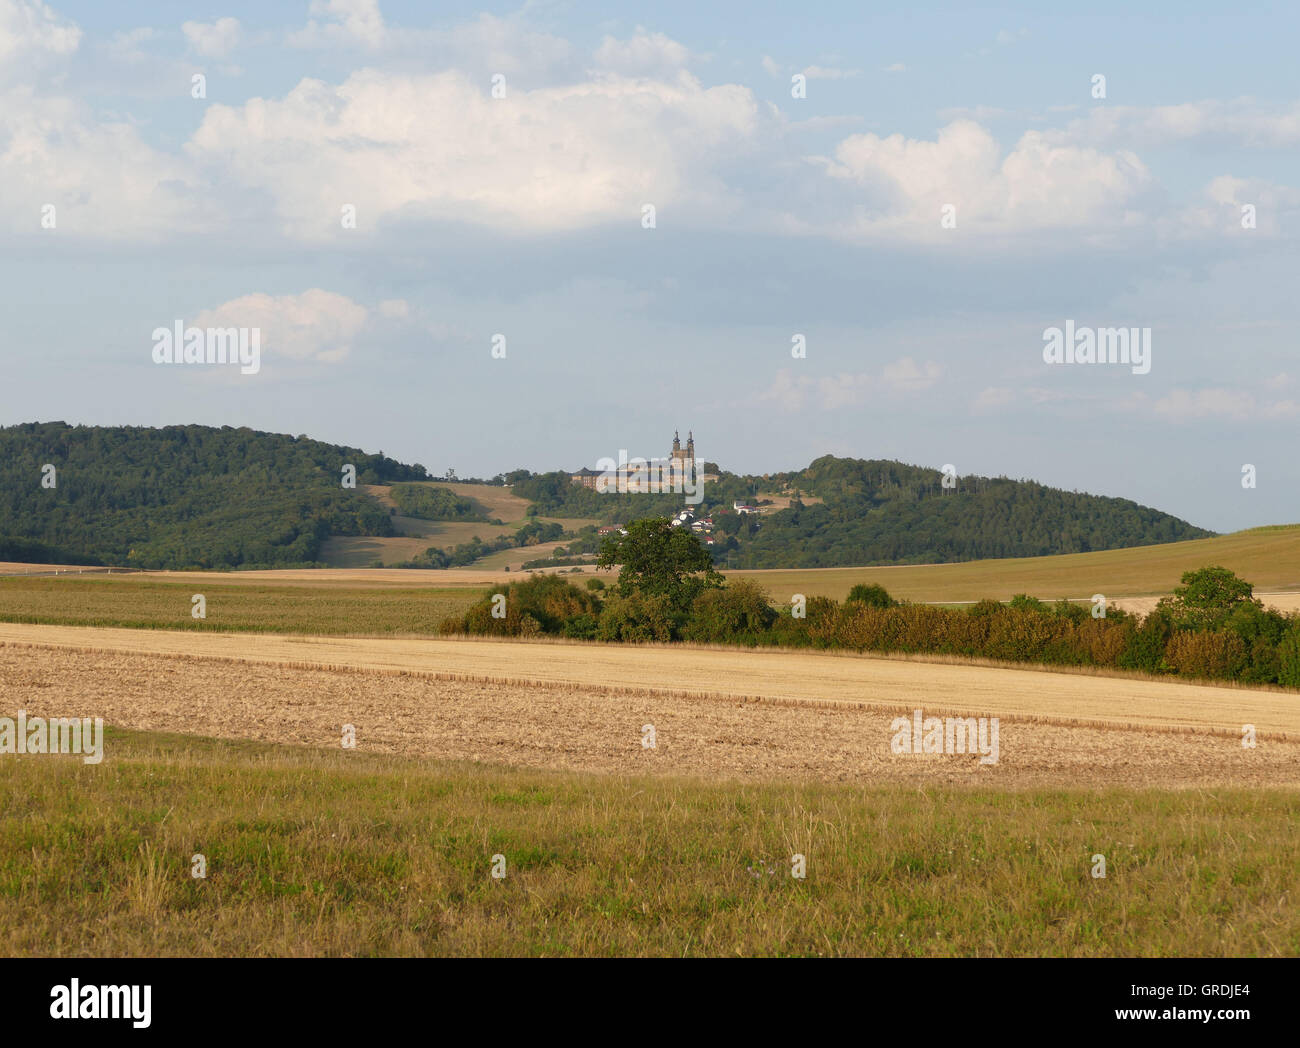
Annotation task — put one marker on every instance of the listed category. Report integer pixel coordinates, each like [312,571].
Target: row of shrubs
[1250,644]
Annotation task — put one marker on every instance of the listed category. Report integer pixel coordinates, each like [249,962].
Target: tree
[660,560]
[872,595]
[1207,597]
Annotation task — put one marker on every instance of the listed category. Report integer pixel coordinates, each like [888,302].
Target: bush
[1288,656]
[637,617]
[1220,655]
[538,604]
[740,613]
[1145,649]
[582,627]
[870,594]
[596,585]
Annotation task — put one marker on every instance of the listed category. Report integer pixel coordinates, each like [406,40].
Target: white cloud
[897,67]
[645,54]
[395,308]
[439,147]
[906,374]
[101,178]
[213,39]
[770,66]
[1036,185]
[1241,122]
[346,22]
[29,25]
[316,325]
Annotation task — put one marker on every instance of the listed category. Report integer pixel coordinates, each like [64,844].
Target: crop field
[799,678]
[421,703]
[1267,557]
[230,746]
[234,602]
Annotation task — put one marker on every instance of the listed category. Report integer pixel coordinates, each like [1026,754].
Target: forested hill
[850,512]
[181,496]
[877,512]
[200,497]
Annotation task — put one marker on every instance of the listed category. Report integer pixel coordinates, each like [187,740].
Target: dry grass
[346,853]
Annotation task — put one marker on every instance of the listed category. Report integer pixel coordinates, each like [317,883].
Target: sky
[489,237]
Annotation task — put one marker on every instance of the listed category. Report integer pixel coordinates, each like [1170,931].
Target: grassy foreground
[331,853]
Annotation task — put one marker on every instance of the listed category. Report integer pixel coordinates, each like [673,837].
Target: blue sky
[775,216]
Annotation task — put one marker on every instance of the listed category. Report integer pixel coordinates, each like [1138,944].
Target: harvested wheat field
[594,724]
[803,677]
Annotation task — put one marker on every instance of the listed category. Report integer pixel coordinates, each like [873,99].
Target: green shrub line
[1212,628]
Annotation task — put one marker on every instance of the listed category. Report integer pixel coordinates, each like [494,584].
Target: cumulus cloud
[1036,185]
[30,26]
[316,325]
[213,39]
[356,23]
[644,54]
[101,177]
[440,147]
[1239,122]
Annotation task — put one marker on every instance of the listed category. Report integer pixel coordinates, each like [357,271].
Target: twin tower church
[681,463]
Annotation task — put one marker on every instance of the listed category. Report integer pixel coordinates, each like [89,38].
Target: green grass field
[126,600]
[342,853]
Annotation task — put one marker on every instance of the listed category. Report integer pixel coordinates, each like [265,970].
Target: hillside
[875,512]
[182,496]
[202,497]
[848,512]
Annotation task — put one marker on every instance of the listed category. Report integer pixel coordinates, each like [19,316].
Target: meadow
[315,852]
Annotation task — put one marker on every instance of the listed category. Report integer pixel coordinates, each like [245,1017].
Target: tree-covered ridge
[185,496]
[880,512]
[889,513]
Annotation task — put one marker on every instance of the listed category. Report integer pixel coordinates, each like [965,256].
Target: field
[1267,557]
[332,852]
[226,740]
[234,602]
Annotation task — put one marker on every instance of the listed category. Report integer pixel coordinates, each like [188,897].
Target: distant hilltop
[222,497]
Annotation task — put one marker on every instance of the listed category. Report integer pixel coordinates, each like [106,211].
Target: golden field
[777,677]
[511,704]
